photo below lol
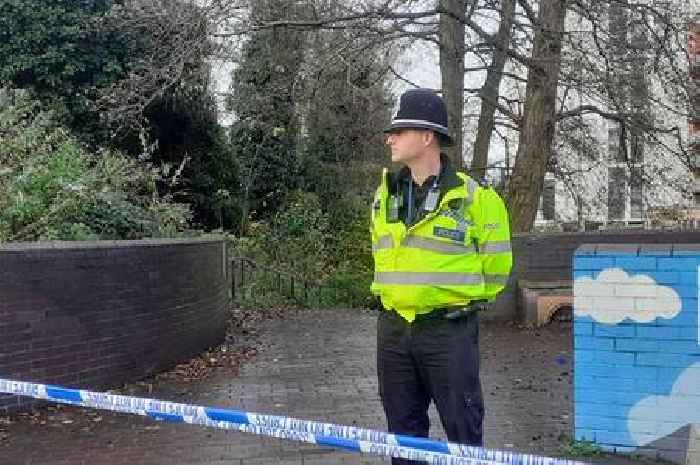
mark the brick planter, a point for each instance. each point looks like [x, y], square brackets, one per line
[98, 314]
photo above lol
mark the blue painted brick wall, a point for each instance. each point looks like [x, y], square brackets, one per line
[637, 378]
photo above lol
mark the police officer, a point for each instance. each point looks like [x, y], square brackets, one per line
[441, 247]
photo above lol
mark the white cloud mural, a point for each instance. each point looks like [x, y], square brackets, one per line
[615, 295]
[668, 413]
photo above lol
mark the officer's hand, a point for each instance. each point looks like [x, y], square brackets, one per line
[374, 303]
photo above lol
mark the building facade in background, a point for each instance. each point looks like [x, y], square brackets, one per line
[627, 201]
[694, 120]
[626, 145]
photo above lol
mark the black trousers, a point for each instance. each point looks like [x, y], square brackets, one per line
[430, 359]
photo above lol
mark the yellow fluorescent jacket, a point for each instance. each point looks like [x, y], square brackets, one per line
[450, 257]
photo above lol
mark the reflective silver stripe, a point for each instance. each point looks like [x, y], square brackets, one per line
[437, 246]
[471, 189]
[384, 242]
[447, 279]
[419, 121]
[495, 247]
[496, 279]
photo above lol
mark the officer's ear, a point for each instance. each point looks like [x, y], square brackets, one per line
[430, 138]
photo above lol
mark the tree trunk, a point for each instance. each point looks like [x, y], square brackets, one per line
[490, 91]
[452, 70]
[539, 117]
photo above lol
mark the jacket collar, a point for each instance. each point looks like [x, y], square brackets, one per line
[448, 176]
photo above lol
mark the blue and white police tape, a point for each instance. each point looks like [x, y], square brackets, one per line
[327, 434]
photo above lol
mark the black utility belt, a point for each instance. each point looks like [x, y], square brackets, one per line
[453, 313]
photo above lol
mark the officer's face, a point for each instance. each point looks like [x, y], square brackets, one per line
[406, 144]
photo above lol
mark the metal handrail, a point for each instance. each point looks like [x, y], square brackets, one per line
[289, 285]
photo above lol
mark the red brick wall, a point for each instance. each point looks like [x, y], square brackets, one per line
[98, 314]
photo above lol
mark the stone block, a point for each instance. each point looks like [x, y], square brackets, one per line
[539, 301]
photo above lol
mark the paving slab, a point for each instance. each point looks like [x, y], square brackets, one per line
[317, 365]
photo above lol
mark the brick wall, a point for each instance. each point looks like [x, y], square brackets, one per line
[637, 349]
[540, 257]
[98, 314]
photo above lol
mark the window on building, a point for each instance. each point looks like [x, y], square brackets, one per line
[614, 151]
[636, 193]
[617, 189]
[637, 149]
[548, 204]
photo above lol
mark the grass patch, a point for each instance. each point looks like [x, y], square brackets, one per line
[581, 448]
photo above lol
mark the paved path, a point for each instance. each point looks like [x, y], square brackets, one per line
[313, 365]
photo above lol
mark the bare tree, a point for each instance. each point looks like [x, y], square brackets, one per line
[582, 51]
[539, 117]
[175, 37]
[452, 70]
[490, 91]
[531, 66]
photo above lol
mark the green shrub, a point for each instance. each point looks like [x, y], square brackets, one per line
[52, 188]
[581, 448]
[306, 242]
[294, 240]
[352, 257]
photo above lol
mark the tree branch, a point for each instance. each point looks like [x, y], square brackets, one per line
[529, 12]
[504, 73]
[401, 78]
[332, 23]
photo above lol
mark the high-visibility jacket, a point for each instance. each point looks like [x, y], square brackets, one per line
[457, 253]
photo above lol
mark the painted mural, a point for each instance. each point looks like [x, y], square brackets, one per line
[637, 352]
